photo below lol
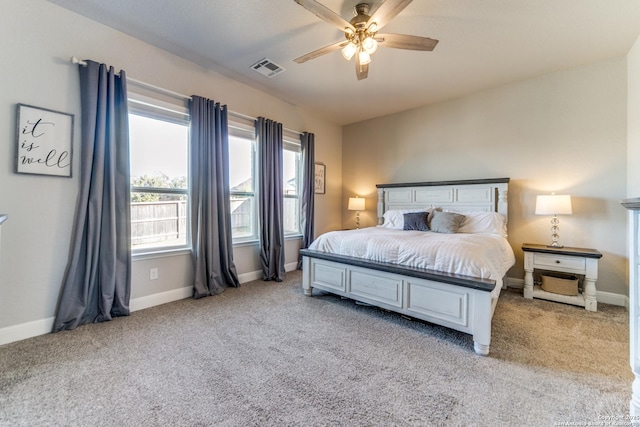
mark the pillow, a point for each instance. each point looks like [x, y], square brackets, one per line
[430, 211]
[446, 222]
[394, 218]
[416, 221]
[483, 223]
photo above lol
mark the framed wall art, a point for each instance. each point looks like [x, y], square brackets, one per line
[44, 141]
[319, 184]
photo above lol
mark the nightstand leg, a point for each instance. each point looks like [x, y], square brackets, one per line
[528, 284]
[590, 302]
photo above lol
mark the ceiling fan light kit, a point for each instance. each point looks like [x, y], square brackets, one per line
[364, 57]
[361, 33]
[370, 45]
[349, 50]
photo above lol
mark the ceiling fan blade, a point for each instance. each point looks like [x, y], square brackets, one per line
[325, 14]
[404, 41]
[386, 12]
[322, 51]
[362, 70]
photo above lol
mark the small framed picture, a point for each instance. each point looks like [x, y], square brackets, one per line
[44, 141]
[319, 184]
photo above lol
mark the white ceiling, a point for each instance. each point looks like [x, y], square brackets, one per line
[483, 43]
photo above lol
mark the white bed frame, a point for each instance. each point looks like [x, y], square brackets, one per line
[462, 303]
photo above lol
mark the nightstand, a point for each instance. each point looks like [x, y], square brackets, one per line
[581, 261]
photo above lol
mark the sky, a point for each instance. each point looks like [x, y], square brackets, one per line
[159, 146]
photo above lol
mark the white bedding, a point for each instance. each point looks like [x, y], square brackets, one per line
[486, 256]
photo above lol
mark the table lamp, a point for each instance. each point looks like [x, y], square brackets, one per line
[554, 204]
[356, 204]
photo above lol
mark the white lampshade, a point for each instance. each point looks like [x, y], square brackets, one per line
[349, 50]
[553, 204]
[364, 57]
[356, 204]
[370, 45]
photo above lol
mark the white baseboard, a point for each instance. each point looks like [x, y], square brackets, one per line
[613, 299]
[512, 282]
[291, 266]
[250, 276]
[257, 275]
[603, 297]
[44, 326]
[26, 330]
[141, 303]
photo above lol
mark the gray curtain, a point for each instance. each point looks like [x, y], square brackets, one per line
[97, 282]
[210, 205]
[270, 192]
[307, 145]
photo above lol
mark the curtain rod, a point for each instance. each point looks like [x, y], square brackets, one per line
[75, 60]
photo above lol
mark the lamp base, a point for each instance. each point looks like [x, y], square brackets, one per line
[554, 233]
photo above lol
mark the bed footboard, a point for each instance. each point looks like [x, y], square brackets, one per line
[459, 302]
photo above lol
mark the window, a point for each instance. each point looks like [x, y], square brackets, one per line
[159, 153]
[242, 182]
[292, 186]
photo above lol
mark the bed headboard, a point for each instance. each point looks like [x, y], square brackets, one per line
[488, 195]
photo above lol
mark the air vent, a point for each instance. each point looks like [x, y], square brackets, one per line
[267, 68]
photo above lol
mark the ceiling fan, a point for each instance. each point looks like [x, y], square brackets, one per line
[361, 33]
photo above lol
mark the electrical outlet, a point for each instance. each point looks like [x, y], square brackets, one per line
[153, 274]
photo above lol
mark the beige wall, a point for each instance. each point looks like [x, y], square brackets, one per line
[37, 40]
[563, 132]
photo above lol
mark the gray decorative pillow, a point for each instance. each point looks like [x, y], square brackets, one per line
[446, 222]
[430, 212]
[416, 221]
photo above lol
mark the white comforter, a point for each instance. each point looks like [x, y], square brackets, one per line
[478, 255]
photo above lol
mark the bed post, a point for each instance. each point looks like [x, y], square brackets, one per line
[306, 276]
[380, 206]
[482, 314]
[502, 204]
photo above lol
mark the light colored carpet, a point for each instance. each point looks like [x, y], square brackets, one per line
[266, 355]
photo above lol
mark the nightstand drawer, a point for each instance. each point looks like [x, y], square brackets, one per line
[576, 263]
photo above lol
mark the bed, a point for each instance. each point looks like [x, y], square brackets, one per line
[452, 277]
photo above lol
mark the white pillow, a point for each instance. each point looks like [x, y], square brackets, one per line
[483, 223]
[394, 218]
